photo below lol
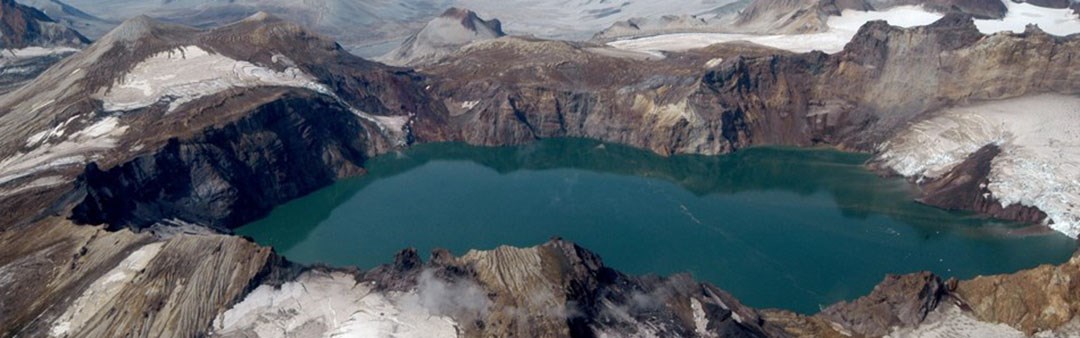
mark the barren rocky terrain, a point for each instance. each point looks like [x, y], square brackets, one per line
[124, 166]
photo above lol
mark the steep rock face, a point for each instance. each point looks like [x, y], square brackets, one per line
[741, 95]
[1040, 299]
[240, 97]
[443, 35]
[60, 279]
[555, 89]
[567, 291]
[898, 301]
[231, 174]
[965, 188]
[552, 290]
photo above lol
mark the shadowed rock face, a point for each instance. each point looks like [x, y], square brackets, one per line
[898, 301]
[223, 158]
[223, 176]
[964, 188]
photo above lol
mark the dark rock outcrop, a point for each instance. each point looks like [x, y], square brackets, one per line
[964, 188]
[233, 174]
[898, 301]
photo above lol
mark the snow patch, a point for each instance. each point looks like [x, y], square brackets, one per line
[469, 104]
[331, 305]
[33, 51]
[713, 63]
[1039, 164]
[1051, 20]
[701, 323]
[190, 72]
[75, 149]
[953, 322]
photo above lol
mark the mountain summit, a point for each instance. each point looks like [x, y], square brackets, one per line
[443, 35]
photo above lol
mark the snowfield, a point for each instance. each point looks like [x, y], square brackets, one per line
[1039, 164]
[842, 28]
[190, 72]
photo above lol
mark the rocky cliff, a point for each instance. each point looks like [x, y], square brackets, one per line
[732, 96]
[158, 138]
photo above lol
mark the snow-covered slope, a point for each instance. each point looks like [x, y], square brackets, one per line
[843, 27]
[190, 72]
[1039, 165]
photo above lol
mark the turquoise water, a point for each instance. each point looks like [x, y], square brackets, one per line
[783, 228]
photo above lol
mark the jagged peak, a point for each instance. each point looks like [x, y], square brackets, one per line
[470, 20]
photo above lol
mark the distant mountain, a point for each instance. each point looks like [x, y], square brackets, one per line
[374, 27]
[370, 27]
[445, 34]
[31, 42]
[90, 26]
[24, 26]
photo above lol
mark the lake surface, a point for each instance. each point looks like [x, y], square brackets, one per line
[777, 227]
